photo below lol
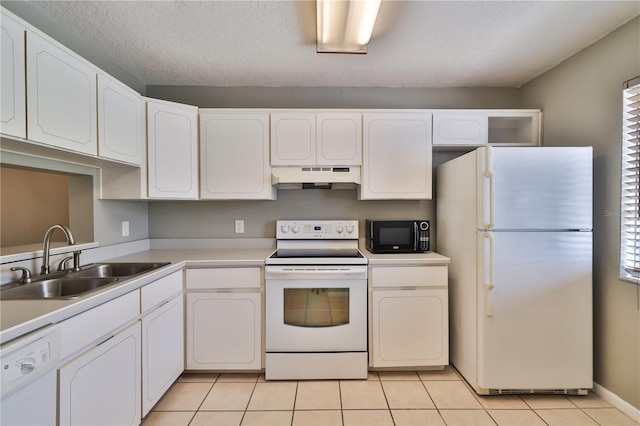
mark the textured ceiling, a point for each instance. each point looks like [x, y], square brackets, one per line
[272, 43]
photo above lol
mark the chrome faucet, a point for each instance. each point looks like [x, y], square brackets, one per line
[47, 245]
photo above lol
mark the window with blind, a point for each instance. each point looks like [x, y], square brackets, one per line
[630, 199]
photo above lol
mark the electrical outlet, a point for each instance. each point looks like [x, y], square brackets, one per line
[125, 228]
[239, 226]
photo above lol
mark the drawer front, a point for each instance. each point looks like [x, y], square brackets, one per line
[157, 292]
[90, 326]
[409, 276]
[223, 278]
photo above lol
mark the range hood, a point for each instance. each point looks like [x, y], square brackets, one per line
[323, 177]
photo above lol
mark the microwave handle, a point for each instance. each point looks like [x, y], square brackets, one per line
[415, 236]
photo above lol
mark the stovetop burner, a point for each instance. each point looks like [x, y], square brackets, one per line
[325, 242]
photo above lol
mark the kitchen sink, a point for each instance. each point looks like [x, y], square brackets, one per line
[57, 288]
[100, 270]
[73, 284]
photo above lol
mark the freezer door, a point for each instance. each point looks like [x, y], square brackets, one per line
[537, 188]
[535, 310]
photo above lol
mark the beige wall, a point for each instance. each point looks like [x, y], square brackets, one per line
[582, 103]
[31, 202]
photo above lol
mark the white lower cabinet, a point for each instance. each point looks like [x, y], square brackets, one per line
[102, 386]
[224, 324]
[409, 317]
[162, 350]
[223, 331]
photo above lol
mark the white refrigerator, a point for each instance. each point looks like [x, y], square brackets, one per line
[517, 225]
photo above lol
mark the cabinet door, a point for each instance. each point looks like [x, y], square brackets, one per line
[162, 351]
[234, 156]
[339, 139]
[173, 150]
[121, 122]
[102, 386]
[13, 110]
[224, 331]
[410, 328]
[293, 139]
[396, 161]
[460, 129]
[61, 98]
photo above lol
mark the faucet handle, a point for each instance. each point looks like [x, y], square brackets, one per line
[26, 274]
[62, 265]
[76, 260]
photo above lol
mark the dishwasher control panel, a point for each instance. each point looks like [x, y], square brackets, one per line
[28, 358]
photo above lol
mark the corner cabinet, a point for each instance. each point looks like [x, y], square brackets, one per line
[61, 98]
[121, 122]
[13, 110]
[172, 138]
[234, 156]
[409, 316]
[397, 154]
[224, 319]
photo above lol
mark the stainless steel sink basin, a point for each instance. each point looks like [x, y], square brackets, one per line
[57, 288]
[73, 284]
[116, 269]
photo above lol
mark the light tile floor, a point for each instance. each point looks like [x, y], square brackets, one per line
[386, 398]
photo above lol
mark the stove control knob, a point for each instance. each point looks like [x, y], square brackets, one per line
[339, 229]
[295, 229]
[284, 228]
[350, 228]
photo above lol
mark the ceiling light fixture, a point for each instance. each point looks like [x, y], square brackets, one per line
[345, 26]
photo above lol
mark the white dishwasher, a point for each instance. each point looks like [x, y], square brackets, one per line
[29, 378]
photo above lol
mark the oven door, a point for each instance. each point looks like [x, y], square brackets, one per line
[316, 308]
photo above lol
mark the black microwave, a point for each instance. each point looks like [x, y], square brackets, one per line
[397, 236]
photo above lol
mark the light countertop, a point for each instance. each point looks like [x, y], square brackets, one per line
[18, 317]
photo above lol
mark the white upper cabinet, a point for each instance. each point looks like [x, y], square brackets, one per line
[13, 109]
[316, 138]
[339, 139]
[61, 98]
[459, 129]
[293, 139]
[121, 122]
[455, 129]
[396, 161]
[234, 155]
[172, 138]
[514, 127]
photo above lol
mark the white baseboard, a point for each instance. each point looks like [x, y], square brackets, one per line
[617, 402]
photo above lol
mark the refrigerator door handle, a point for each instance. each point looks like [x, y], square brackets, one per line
[489, 284]
[488, 173]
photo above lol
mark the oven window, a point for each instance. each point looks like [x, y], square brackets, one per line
[316, 307]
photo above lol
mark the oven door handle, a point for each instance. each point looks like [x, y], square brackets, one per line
[313, 272]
